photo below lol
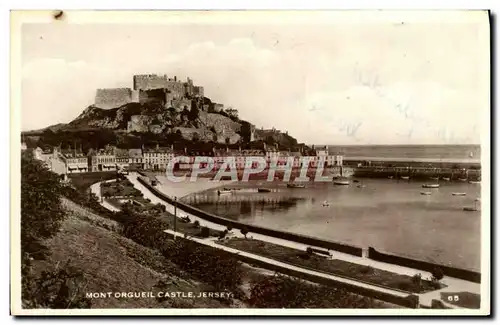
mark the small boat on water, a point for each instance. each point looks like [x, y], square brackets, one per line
[223, 191]
[390, 177]
[446, 179]
[361, 186]
[340, 182]
[405, 177]
[474, 182]
[474, 208]
[434, 178]
[458, 194]
[463, 179]
[295, 185]
[326, 204]
[425, 193]
[263, 190]
[430, 185]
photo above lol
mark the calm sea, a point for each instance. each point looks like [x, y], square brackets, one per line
[389, 215]
[410, 151]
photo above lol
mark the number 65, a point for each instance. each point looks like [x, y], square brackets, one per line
[453, 298]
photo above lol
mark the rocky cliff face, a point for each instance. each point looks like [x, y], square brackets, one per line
[155, 118]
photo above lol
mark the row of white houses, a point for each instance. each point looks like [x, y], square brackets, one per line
[112, 158]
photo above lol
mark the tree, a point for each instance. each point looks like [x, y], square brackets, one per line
[246, 131]
[194, 113]
[41, 210]
[41, 218]
[244, 231]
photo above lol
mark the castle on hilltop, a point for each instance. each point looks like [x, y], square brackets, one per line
[171, 92]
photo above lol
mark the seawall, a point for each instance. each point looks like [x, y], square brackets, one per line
[424, 266]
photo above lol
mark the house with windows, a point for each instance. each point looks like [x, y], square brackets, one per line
[135, 159]
[122, 158]
[75, 161]
[157, 158]
[103, 160]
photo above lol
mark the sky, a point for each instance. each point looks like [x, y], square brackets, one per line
[345, 81]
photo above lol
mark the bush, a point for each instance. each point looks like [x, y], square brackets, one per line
[437, 273]
[205, 232]
[207, 264]
[196, 223]
[244, 232]
[309, 250]
[413, 301]
[229, 228]
[417, 281]
[286, 292]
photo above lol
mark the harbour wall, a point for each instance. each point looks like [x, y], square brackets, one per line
[424, 266]
[417, 172]
[307, 240]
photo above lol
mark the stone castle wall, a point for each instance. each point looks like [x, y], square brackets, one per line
[112, 97]
[170, 91]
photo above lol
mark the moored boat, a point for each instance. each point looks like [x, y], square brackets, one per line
[474, 208]
[474, 182]
[463, 179]
[458, 194]
[390, 177]
[430, 185]
[445, 178]
[223, 191]
[434, 178]
[295, 185]
[341, 182]
[405, 177]
[425, 193]
[263, 190]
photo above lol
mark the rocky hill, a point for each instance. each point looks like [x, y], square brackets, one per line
[137, 121]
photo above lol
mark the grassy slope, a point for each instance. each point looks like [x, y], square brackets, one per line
[114, 263]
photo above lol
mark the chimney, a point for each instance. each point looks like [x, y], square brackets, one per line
[175, 78]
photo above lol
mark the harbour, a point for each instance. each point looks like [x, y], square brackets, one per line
[390, 214]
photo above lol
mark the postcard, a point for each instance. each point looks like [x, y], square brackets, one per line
[250, 163]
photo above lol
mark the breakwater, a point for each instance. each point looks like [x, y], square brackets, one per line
[418, 173]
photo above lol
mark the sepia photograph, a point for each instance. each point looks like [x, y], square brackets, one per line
[250, 162]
